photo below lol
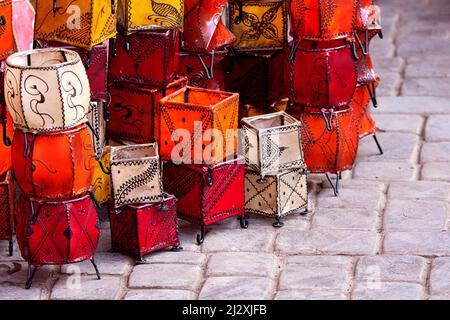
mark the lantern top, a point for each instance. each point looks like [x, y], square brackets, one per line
[48, 58]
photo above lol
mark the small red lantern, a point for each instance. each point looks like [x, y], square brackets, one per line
[6, 209]
[56, 232]
[142, 229]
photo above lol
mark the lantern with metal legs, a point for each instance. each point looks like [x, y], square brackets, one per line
[56, 233]
[6, 209]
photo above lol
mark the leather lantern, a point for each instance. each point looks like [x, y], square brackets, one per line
[323, 19]
[207, 194]
[23, 24]
[97, 127]
[6, 209]
[204, 30]
[330, 140]
[6, 29]
[46, 90]
[149, 57]
[6, 126]
[101, 178]
[276, 195]
[96, 64]
[53, 164]
[138, 15]
[258, 77]
[273, 143]
[81, 23]
[133, 110]
[203, 70]
[363, 118]
[136, 174]
[142, 229]
[321, 77]
[259, 25]
[58, 233]
[198, 126]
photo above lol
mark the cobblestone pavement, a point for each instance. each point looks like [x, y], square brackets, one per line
[386, 236]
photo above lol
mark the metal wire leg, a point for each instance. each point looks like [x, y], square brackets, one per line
[243, 221]
[177, 248]
[30, 276]
[10, 248]
[96, 269]
[378, 144]
[278, 223]
[201, 236]
[335, 186]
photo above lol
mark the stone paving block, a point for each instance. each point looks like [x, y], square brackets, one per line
[346, 218]
[85, 288]
[159, 294]
[413, 105]
[437, 87]
[407, 36]
[432, 69]
[108, 263]
[320, 261]
[367, 198]
[169, 276]
[182, 256]
[435, 152]
[16, 273]
[415, 215]
[238, 240]
[294, 220]
[437, 128]
[389, 65]
[391, 268]
[420, 190]
[386, 50]
[236, 288]
[313, 278]
[388, 291]
[417, 243]
[242, 263]
[389, 84]
[399, 123]
[188, 235]
[309, 295]
[439, 297]
[423, 48]
[436, 171]
[439, 277]
[326, 242]
[17, 292]
[396, 147]
[385, 170]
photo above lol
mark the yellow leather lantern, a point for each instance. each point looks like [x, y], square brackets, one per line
[81, 23]
[101, 180]
[259, 24]
[136, 15]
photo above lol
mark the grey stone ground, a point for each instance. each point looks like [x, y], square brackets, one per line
[386, 237]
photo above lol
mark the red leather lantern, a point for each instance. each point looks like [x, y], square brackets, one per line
[329, 138]
[207, 194]
[204, 30]
[6, 29]
[56, 232]
[203, 70]
[149, 57]
[321, 77]
[6, 209]
[53, 164]
[142, 229]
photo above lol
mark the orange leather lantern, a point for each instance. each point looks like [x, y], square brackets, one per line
[322, 77]
[6, 29]
[81, 23]
[53, 164]
[204, 30]
[323, 19]
[329, 146]
[198, 125]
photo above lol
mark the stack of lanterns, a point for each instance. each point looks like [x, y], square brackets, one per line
[198, 125]
[6, 182]
[331, 80]
[113, 70]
